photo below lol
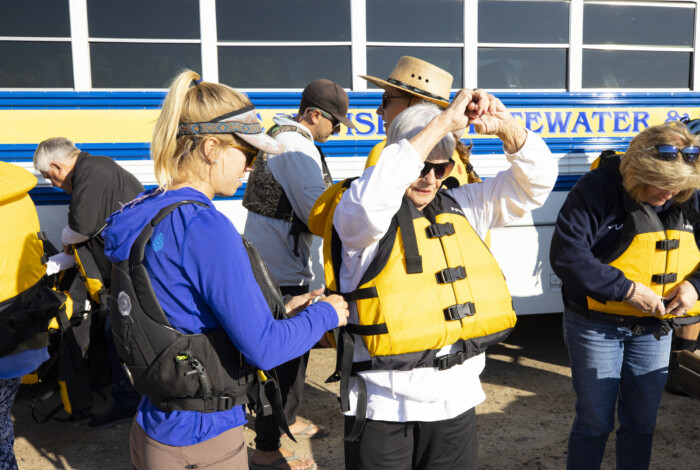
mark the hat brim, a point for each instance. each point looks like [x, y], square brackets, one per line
[344, 119]
[263, 142]
[384, 85]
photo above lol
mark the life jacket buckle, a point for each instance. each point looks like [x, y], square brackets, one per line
[246, 376]
[224, 403]
[666, 278]
[451, 360]
[459, 311]
[439, 230]
[449, 275]
[667, 245]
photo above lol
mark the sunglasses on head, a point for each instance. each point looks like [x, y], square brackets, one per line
[250, 153]
[669, 153]
[441, 169]
[329, 116]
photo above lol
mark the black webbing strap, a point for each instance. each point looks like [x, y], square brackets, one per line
[439, 230]
[459, 311]
[449, 275]
[348, 348]
[203, 405]
[360, 412]
[670, 324]
[667, 245]
[451, 360]
[367, 330]
[272, 398]
[357, 294]
[666, 278]
[414, 262]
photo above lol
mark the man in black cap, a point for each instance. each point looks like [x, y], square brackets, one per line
[279, 196]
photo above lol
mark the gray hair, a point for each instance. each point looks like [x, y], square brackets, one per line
[413, 120]
[55, 149]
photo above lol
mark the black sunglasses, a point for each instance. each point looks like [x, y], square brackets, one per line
[334, 122]
[386, 98]
[441, 169]
[669, 153]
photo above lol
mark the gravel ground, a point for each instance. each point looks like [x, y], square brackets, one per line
[523, 424]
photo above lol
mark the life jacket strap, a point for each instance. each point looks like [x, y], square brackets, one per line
[670, 324]
[367, 330]
[203, 405]
[360, 412]
[357, 294]
[451, 360]
[666, 278]
[449, 275]
[414, 261]
[667, 245]
[459, 311]
[439, 230]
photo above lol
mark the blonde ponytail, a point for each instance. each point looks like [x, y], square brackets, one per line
[189, 100]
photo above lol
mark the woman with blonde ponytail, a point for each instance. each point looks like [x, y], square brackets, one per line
[201, 280]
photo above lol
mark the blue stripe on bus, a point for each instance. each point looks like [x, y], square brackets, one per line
[333, 149]
[153, 99]
[48, 196]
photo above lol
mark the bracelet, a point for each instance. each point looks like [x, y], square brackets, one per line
[631, 293]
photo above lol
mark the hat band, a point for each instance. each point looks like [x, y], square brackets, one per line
[218, 128]
[408, 87]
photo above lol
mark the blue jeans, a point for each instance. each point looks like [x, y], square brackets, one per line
[8, 391]
[611, 365]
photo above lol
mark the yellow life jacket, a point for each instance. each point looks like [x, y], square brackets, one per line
[397, 289]
[26, 304]
[22, 262]
[432, 283]
[657, 252]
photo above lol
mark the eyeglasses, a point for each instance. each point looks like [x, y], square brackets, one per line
[669, 153]
[329, 116]
[250, 154]
[386, 98]
[441, 169]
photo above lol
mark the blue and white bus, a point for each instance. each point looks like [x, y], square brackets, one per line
[586, 75]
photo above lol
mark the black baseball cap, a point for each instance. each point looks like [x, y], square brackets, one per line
[330, 97]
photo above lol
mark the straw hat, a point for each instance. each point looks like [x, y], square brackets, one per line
[419, 78]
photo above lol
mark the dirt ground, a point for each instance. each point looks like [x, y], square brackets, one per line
[523, 424]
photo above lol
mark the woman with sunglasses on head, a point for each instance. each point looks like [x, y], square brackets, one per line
[425, 306]
[200, 279]
[625, 248]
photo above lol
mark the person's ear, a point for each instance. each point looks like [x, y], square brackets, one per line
[314, 116]
[56, 166]
[209, 148]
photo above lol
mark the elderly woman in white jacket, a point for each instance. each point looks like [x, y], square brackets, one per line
[420, 415]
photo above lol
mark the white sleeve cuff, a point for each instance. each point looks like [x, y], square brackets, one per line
[71, 237]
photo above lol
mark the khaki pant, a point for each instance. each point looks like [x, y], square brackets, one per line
[225, 451]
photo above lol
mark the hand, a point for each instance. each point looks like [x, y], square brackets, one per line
[647, 300]
[299, 302]
[681, 299]
[496, 120]
[466, 105]
[340, 306]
